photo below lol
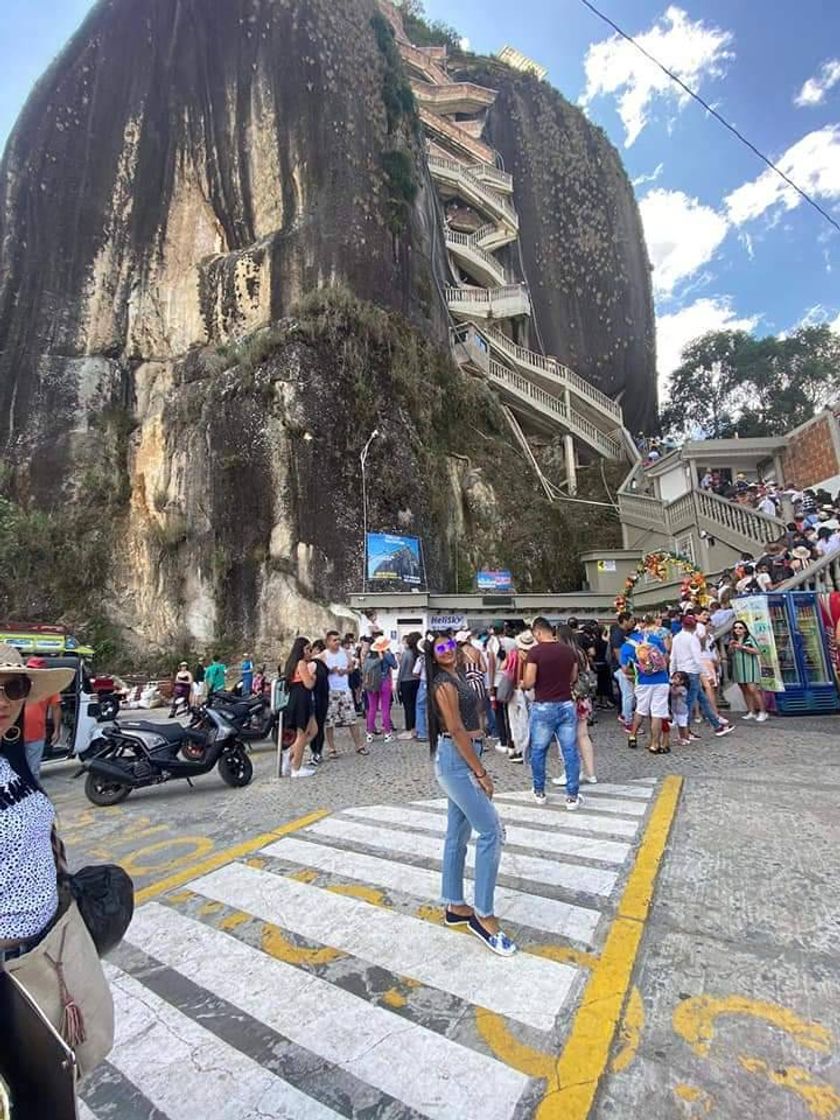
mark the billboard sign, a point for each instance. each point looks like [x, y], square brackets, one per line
[494, 580]
[394, 563]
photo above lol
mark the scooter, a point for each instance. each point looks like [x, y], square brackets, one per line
[140, 753]
[252, 716]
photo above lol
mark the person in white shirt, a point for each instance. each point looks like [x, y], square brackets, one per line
[767, 505]
[687, 657]
[342, 710]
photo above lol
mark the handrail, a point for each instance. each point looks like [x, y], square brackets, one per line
[453, 91]
[464, 171]
[821, 575]
[423, 62]
[470, 294]
[552, 368]
[750, 523]
[644, 508]
[457, 136]
[469, 242]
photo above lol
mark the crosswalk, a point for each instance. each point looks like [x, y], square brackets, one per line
[315, 979]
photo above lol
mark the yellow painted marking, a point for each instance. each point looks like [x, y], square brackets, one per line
[573, 1083]
[694, 1020]
[257, 862]
[136, 862]
[208, 908]
[232, 921]
[504, 1044]
[565, 954]
[305, 875]
[276, 944]
[630, 1032]
[820, 1099]
[180, 896]
[691, 1095]
[431, 914]
[394, 998]
[218, 859]
[357, 890]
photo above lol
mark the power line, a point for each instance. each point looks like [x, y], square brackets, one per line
[714, 113]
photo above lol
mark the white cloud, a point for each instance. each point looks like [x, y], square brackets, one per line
[813, 163]
[465, 44]
[835, 323]
[681, 234]
[676, 330]
[691, 49]
[654, 175]
[814, 90]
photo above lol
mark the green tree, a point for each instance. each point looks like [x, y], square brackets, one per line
[729, 382]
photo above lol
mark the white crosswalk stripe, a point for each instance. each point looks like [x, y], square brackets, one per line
[549, 872]
[438, 1077]
[328, 1014]
[577, 923]
[185, 1071]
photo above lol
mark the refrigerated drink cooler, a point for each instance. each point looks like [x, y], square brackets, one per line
[802, 648]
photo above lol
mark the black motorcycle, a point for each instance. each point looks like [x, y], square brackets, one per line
[251, 715]
[140, 753]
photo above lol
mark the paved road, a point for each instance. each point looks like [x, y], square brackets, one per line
[288, 958]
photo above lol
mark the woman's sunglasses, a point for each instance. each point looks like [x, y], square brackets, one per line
[15, 688]
[446, 646]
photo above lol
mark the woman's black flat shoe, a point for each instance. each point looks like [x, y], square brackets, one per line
[450, 919]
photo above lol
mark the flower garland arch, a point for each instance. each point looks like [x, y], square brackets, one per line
[655, 565]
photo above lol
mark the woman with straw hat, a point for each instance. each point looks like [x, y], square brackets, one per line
[28, 885]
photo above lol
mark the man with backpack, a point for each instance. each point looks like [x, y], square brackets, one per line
[644, 656]
[687, 657]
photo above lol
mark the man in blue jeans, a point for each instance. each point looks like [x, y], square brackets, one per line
[551, 670]
[687, 657]
[624, 624]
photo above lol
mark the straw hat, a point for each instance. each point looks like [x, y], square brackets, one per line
[45, 682]
[526, 640]
[381, 644]
[801, 553]
[463, 636]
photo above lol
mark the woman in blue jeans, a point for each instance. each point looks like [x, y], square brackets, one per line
[455, 735]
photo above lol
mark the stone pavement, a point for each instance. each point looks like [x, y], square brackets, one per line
[306, 973]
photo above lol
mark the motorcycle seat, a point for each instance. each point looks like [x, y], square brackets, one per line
[172, 732]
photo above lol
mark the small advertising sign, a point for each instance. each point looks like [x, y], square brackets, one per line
[493, 580]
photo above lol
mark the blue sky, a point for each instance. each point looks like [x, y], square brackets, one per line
[729, 247]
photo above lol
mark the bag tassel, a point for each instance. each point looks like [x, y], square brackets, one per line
[72, 1027]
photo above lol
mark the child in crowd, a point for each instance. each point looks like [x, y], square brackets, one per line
[679, 706]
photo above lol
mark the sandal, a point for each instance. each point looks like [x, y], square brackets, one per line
[659, 750]
[332, 754]
[362, 750]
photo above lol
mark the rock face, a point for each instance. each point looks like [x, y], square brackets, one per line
[181, 181]
[583, 248]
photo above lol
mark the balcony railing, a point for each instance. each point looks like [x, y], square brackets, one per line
[467, 243]
[749, 523]
[502, 303]
[441, 126]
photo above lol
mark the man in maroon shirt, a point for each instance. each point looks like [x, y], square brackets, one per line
[551, 670]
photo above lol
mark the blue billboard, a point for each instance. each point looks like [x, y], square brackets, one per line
[494, 580]
[394, 563]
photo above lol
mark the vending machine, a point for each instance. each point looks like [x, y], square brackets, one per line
[802, 652]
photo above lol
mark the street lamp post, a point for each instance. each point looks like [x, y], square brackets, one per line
[363, 459]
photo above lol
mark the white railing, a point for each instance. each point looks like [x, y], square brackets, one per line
[443, 127]
[468, 242]
[821, 575]
[528, 389]
[486, 173]
[457, 92]
[605, 443]
[423, 62]
[554, 369]
[749, 523]
[639, 507]
[459, 174]
[503, 302]
[682, 513]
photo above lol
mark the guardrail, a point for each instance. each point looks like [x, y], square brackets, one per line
[465, 176]
[749, 523]
[503, 302]
[468, 242]
[821, 575]
[454, 91]
[455, 135]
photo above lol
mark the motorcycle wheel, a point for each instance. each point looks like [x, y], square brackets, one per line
[103, 792]
[236, 769]
[109, 707]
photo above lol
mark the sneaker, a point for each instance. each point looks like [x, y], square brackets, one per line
[539, 797]
[761, 717]
[561, 781]
[694, 737]
[724, 729]
[502, 748]
[303, 772]
[749, 715]
[517, 758]
[369, 738]
[632, 742]
[387, 737]
[404, 735]
[698, 719]
[573, 803]
[315, 760]
[450, 919]
[593, 781]
[498, 943]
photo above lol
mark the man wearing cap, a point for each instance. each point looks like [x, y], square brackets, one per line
[687, 657]
[35, 723]
[551, 670]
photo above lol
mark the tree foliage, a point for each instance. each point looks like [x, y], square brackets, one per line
[729, 383]
[425, 33]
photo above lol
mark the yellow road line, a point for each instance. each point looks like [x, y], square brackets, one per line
[218, 859]
[579, 1069]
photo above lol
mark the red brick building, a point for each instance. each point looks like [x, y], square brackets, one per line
[812, 455]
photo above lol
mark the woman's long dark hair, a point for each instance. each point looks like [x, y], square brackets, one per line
[293, 658]
[432, 716]
[412, 639]
[740, 622]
